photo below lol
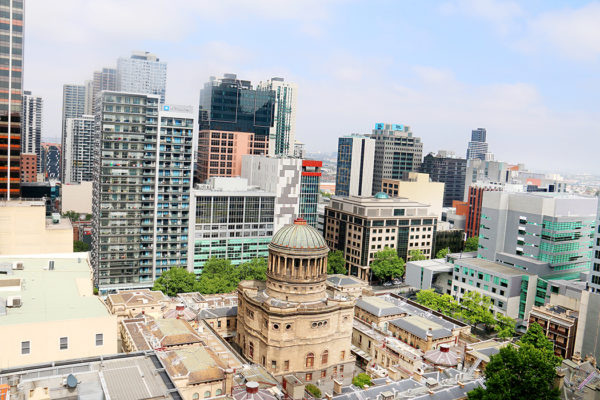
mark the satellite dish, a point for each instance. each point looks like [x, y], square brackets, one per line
[71, 381]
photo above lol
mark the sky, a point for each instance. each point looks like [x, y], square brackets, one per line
[526, 71]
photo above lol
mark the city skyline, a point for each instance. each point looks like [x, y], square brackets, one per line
[504, 66]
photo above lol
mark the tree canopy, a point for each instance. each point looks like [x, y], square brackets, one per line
[387, 265]
[473, 308]
[78, 246]
[443, 253]
[416, 255]
[471, 244]
[361, 380]
[524, 372]
[312, 389]
[176, 280]
[218, 276]
[336, 263]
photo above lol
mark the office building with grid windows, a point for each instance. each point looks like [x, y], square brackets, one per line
[142, 189]
[553, 228]
[362, 226]
[397, 151]
[282, 137]
[78, 150]
[354, 175]
[32, 126]
[233, 221]
[142, 72]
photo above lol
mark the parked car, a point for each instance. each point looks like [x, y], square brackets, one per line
[397, 281]
[387, 283]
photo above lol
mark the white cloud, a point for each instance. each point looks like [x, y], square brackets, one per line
[500, 14]
[573, 32]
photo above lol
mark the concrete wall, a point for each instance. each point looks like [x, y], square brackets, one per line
[77, 197]
[44, 338]
[23, 230]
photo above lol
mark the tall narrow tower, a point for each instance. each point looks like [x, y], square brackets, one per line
[11, 57]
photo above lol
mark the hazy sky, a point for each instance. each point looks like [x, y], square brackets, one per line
[528, 71]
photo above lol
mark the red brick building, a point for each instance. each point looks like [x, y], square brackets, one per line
[220, 153]
[28, 167]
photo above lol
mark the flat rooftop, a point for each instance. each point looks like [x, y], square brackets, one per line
[435, 264]
[133, 376]
[491, 266]
[419, 326]
[51, 295]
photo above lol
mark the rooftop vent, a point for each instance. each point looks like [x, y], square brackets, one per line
[18, 265]
[51, 265]
[13, 301]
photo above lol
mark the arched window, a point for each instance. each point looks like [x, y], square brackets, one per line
[324, 357]
[310, 360]
[218, 392]
[207, 394]
[196, 396]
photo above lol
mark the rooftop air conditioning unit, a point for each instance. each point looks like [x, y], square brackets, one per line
[18, 265]
[13, 301]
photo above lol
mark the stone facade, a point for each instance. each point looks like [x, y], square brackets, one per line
[289, 325]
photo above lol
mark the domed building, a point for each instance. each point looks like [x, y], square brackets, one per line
[289, 324]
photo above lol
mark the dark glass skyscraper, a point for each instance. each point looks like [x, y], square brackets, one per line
[232, 105]
[11, 80]
[235, 119]
[451, 171]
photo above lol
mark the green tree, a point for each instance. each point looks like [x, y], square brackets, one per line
[218, 276]
[312, 389]
[428, 298]
[416, 255]
[387, 265]
[535, 337]
[336, 263]
[471, 244]
[519, 373]
[476, 309]
[72, 215]
[88, 217]
[443, 253]
[255, 269]
[361, 380]
[505, 326]
[78, 246]
[176, 280]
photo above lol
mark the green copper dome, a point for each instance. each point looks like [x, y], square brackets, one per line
[382, 195]
[299, 235]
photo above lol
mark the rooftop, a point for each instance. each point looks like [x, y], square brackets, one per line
[133, 376]
[299, 235]
[378, 306]
[344, 280]
[51, 295]
[420, 327]
[491, 266]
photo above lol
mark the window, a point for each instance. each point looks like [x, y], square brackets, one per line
[341, 369]
[342, 355]
[251, 350]
[99, 339]
[274, 364]
[286, 365]
[310, 360]
[196, 396]
[25, 347]
[324, 357]
[207, 394]
[308, 377]
[64, 343]
[218, 392]
[218, 323]
[323, 374]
